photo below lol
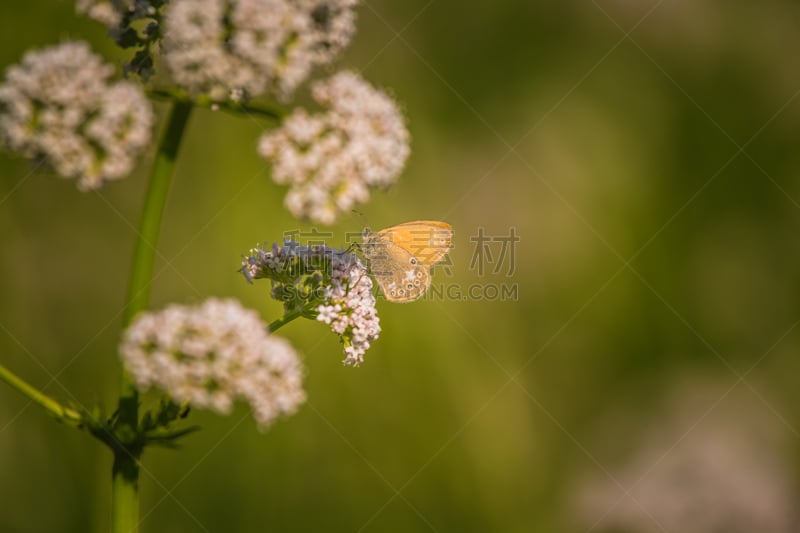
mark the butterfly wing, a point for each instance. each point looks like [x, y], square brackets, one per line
[401, 276]
[427, 240]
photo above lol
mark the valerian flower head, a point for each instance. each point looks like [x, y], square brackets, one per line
[213, 354]
[330, 285]
[332, 159]
[59, 105]
[235, 49]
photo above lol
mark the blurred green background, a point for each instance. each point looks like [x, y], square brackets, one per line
[646, 153]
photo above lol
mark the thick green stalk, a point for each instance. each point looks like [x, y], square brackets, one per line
[125, 483]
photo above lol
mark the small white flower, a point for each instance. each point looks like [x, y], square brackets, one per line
[59, 105]
[331, 160]
[234, 49]
[349, 307]
[212, 355]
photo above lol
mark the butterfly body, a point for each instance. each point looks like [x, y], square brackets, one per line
[400, 257]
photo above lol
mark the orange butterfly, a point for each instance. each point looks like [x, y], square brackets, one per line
[400, 257]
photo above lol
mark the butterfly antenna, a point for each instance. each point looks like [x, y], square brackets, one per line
[363, 217]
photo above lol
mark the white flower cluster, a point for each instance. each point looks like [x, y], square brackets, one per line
[349, 307]
[213, 354]
[331, 159]
[332, 284]
[241, 48]
[59, 105]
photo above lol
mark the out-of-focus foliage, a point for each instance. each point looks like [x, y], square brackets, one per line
[646, 155]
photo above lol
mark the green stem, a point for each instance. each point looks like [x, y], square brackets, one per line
[306, 311]
[275, 325]
[125, 482]
[65, 414]
[179, 95]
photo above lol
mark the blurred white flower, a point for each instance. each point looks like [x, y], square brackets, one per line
[58, 105]
[235, 49]
[332, 159]
[112, 12]
[104, 11]
[331, 285]
[212, 355]
[118, 129]
[709, 462]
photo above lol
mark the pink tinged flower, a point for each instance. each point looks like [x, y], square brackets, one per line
[340, 294]
[350, 308]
